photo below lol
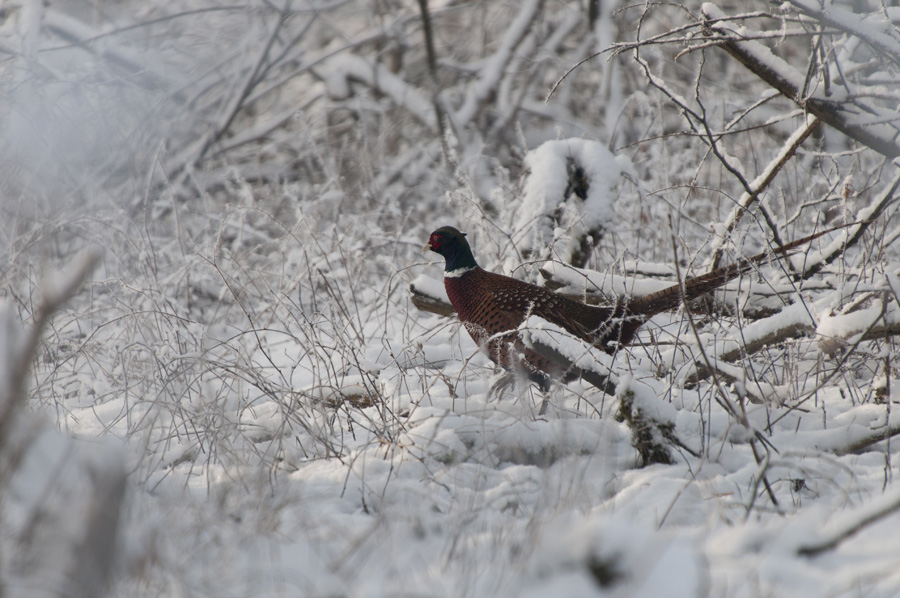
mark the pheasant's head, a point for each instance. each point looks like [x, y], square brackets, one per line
[452, 244]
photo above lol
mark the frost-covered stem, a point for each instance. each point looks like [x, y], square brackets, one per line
[429, 39]
[760, 477]
[692, 117]
[235, 293]
[512, 107]
[672, 35]
[712, 138]
[102, 518]
[13, 396]
[888, 470]
[758, 185]
[253, 78]
[660, 84]
[431, 53]
[721, 397]
[726, 162]
[838, 368]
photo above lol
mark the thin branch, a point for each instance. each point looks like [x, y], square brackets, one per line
[13, 396]
[761, 183]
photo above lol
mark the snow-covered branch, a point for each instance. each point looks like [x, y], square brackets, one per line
[875, 29]
[840, 108]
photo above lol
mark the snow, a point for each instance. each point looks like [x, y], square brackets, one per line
[242, 401]
[846, 327]
[546, 186]
[339, 70]
[431, 287]
[578, 281]
[443, 484]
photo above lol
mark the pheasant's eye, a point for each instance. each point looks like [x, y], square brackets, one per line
[435, 241]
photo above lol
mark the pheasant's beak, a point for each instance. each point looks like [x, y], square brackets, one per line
[427, 247]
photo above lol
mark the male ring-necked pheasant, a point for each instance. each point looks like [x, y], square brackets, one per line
[493, 306]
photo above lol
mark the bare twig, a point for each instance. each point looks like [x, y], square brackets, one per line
[55, 294]
[760, 184]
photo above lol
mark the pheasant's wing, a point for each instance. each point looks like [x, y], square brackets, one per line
[604, 326]
[592, 324]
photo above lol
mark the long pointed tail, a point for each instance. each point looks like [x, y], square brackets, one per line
[671, 297]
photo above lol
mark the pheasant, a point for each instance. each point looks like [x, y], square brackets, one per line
[493, 306]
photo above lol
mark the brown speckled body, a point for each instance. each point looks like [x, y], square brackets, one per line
[493, 306]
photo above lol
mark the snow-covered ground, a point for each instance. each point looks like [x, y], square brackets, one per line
[242, 399]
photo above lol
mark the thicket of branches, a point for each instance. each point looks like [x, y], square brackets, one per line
[260, 178]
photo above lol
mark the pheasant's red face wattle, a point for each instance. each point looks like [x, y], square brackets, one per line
[452, 245]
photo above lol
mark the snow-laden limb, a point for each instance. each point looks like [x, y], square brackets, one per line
[493, 70]
[429, 295]
[839, 331]
[875, 30]
[340, 70]
[791, 322]
[572, 281]
[746, 384]
[838, 109]
[575, 357]
[852, 431]
[568, 195]
[841, 526]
